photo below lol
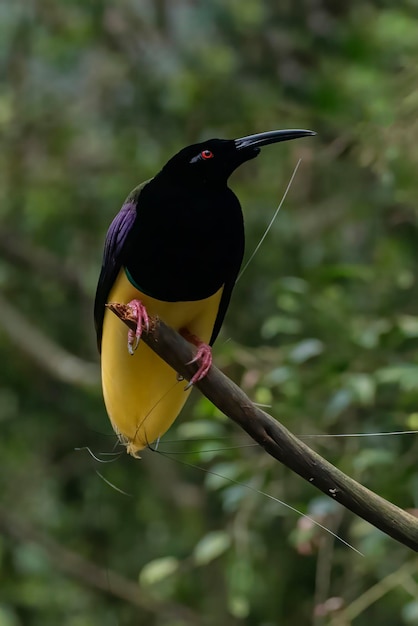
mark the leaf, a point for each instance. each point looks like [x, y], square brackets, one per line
[368, 334]
[280, 324]
[239, 606]
[199, 429]
[241, 582]
[221, 474]
[412, 421]
[211, 546]
[8, 617]
[372, 457]
[338, 402]
[279, 375]
[157, 570]
[263, 396]
[305, 350]
[410, 612]
[363, 387]
[408, 324]
[294, 283]
[405, 375]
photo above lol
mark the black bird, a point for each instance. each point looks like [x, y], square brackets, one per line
[174, 250]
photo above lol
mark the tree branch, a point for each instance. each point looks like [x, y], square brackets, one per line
[51, 357]
[275, 438]
[90, 574]
[22, 251]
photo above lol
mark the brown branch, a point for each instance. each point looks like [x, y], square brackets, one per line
[92, 575]
[381, 588]
[23, 252]
[50, 356]
[275, 438]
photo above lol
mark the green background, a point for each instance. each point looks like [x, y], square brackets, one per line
[323, 325]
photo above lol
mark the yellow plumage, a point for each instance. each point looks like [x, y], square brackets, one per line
[142, 394]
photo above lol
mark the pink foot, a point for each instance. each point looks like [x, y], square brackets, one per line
[142, 320]
[203, 357]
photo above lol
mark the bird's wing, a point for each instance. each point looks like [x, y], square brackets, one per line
[113, 256]
[223, 307]
[237, 254]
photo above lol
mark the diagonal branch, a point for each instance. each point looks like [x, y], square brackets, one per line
[88, 573]
[23, 252]
[275, 438]
[50, 356]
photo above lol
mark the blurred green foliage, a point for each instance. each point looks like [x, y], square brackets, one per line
[323, 323]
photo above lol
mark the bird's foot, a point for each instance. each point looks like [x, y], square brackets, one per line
[139, 312]
[203, 357]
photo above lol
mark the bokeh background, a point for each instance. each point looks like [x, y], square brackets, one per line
[323, 326]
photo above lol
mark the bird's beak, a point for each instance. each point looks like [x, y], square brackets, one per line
[272, 136]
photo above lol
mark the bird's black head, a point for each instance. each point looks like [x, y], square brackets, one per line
[214, 160]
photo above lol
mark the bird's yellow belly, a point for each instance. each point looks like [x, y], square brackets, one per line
[142, 394]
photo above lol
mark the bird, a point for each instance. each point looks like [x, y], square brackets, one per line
[174, 251]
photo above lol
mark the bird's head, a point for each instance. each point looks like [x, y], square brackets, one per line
[214, 160]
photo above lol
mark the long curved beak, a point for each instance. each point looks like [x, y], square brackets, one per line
[272, 136]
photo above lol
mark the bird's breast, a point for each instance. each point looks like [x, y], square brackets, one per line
[141, 392]
[183, 246]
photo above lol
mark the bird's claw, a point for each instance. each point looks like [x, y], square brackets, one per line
[133, 342]
[203, 357]
[142, 321]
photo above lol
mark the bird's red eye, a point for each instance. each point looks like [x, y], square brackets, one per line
[206, 154]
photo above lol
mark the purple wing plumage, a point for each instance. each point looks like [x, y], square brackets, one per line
[113, 259]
